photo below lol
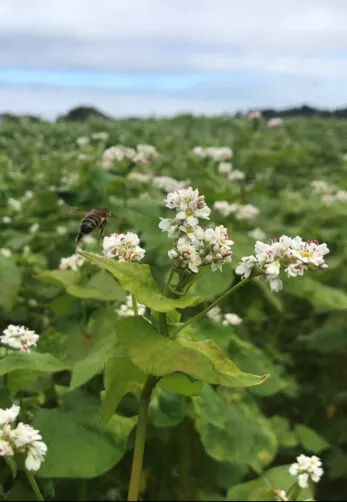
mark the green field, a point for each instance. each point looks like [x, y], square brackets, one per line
[208, 437]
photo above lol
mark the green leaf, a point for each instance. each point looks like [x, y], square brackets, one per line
[137, 279]
[324, 298]
[310, 440]
[77, 446]
[285, 436]
[233, 430]
[159, 356]
[44, 363]
[180, 383]
[166, 409]
[277, 478]
[93, 363]
[210, 284]
[120, 378]
[10, 279]
[59, 278]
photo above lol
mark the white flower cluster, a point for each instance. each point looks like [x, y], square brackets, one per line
[254, 115]
[240, 211]
[293, 255]
[168, 184]
[140, 177]
[275, 122]
[17, 204]
[6, 252]
[281, 495]
[19, 338]
[73, 262]
[142, 155]
[164, 183]
[22, 438]
[228, 319]
[69, 180]
[219, 154]
[232, 174]
[125, 247]
[329, 194]
[194, 246]
[257, 234]
[82, 141]
[102, 136]
[127, 310]
[306, 468]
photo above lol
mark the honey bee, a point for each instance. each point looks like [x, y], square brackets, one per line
[92, 220]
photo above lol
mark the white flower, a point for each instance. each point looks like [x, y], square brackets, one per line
[168, 184]
[6, 449]
[7, 220]
[254, 115]
[246, 212]
[6, 252]
[9, 415]
[341, 196]
[73, 262]
[303, 480]
[215, 314]
[222, 207]
[14, 204]
[34, 228]
[82, 141]
[185, 255]
[24, 434]
[306, 468]
[19, 338]
[218, 154]
[21, 438]
[232, 320]
[236, 175]
[275, 122]
[257, 234]
[127, 310]
[28, 195]
[125, 247]
[225, 167]
[321, 187]
[102, 135]
[140, 177]
[35, 455]
[281, 495]
[245, 268]
[61, 230]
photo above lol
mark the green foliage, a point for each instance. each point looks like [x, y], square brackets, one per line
[157, 355]
[137, 279]
[73, 427]
[212, 431]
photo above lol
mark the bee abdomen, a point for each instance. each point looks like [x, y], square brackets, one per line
[90, 223]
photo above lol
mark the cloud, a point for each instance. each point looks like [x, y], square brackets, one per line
[274, 35]
[170, 56]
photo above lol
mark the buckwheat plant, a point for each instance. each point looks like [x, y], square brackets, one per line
[18, 439]
[163, 346]
[307, 471]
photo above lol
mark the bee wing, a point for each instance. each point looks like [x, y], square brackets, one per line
[78, 212]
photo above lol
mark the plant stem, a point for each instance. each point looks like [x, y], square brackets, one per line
[34, 485]
[167, 287]
[213, 304]
[136, 470]
[136, 312]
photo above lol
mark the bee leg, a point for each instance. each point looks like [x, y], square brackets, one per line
[102, 229]
[79, 237]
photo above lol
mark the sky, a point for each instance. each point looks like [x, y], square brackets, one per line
[164, 57]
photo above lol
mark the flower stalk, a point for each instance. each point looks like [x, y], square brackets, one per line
[140, 439]
[34, 486]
